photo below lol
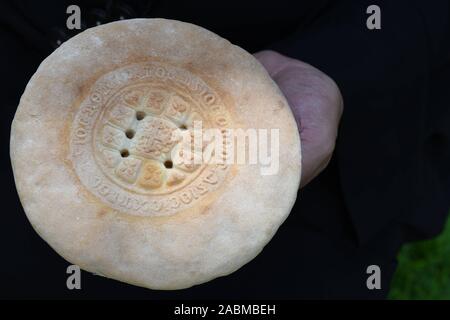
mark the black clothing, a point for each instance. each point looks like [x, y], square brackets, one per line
[388, 181]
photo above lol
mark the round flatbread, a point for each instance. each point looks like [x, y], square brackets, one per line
[93, 147]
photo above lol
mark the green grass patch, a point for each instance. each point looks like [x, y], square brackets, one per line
[424, 269]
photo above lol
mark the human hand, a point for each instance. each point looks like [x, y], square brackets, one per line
[316, 103]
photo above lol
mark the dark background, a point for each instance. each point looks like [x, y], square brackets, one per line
[388, 182]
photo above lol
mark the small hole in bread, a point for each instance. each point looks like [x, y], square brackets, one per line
[124, 153]
[168, 164]
[129, 133]
[140, 115]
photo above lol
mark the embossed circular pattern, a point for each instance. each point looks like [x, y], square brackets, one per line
[122, 138]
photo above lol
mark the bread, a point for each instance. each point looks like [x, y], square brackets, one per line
[91, 154]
